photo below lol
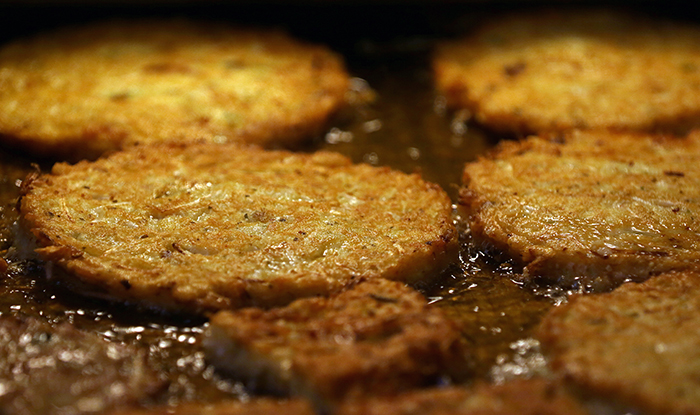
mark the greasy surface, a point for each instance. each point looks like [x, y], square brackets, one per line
[551, 71]
[524, 397]
[95, 375]
[12, 170]
[589, 209]
[79, 92]
[496, 316]
[639, 344]
[212, 226]
[379, 337]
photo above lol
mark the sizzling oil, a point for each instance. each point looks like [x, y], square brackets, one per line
[407, 128]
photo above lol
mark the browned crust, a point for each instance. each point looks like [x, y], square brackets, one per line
[557, 70]
[377, 338]
[523, 396]
[211, 226]
[638, 345]
[254, 406]
[588, 208]
[79, 92]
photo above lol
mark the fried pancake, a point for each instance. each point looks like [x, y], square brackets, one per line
[589, 209]
[256, 406]
[523, 396]
[554, 71]
[209, 226]
[379, 337]
[79, 92]
[639, 344]
[58, 369]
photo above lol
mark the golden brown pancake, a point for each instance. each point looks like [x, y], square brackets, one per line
[211, 226]
[638, 345]
[554, 71]
[79, 92]
[588, 209]
[377, 338]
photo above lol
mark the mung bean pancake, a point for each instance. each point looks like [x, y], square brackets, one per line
[588, 209]
[210, 226]
[378, 338]
[81, 91]
[554, 71]
[638, 345]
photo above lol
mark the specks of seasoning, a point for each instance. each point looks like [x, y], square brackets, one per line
[514, 69]
[674, 173]
[178, 248]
